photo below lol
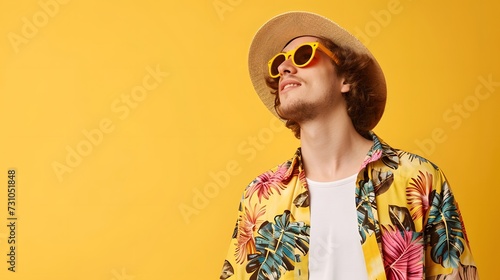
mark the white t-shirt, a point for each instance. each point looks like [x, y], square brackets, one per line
[335, 246]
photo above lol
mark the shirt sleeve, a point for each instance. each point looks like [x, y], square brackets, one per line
[233, 268]
[447, 246]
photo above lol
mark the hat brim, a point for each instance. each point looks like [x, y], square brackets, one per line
[272, 37]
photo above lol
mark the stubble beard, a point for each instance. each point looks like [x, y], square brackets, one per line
[302, 110]
[299, 111]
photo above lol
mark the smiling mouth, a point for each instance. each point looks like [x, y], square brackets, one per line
[290, 86]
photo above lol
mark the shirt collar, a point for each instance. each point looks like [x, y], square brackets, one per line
[381, 151]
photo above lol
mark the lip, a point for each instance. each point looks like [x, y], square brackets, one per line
[286, 82]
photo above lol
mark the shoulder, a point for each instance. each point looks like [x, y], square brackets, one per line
[409, 160]
[405, 165]
[276, 179]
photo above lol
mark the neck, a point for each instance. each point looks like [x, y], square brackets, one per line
[332, 151]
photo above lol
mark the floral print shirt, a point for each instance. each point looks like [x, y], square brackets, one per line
[409, 223]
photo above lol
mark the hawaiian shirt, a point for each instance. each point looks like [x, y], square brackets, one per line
[409, 222]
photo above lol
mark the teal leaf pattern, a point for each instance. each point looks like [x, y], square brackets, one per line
[276, 246]
[445, 229]
[365, 205]
[366, 225]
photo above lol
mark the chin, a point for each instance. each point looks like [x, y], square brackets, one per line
[298, 111]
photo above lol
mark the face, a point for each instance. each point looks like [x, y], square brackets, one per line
[311, 91]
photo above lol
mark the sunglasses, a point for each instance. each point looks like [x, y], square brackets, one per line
[301, 57]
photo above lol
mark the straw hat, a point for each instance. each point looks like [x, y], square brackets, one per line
[272, 37]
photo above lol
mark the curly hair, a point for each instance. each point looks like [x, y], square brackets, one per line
[364, 105]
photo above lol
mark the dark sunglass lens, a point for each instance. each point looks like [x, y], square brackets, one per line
[276, 63]
[302, 55]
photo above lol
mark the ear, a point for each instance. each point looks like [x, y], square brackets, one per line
[346, 87]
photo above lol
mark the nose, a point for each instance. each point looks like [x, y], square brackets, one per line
[287, 67]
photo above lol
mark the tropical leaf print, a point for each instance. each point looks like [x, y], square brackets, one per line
[365, 193]
[445, 229]
[391, 157]
[288, 170]
[464, 272]
[401, 218]
[402, 251]
[381, 180]
[417, 194]
[247, 226]
[365, 205]
[227, 270]
[276, 247]
[373, 155]
[265, 184]
[302, 200]
[420, 159]
[366, 225]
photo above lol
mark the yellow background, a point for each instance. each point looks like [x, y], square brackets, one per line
[199, 134]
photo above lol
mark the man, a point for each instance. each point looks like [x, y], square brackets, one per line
[347, 205]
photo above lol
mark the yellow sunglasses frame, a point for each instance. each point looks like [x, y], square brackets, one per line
[291, 53]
